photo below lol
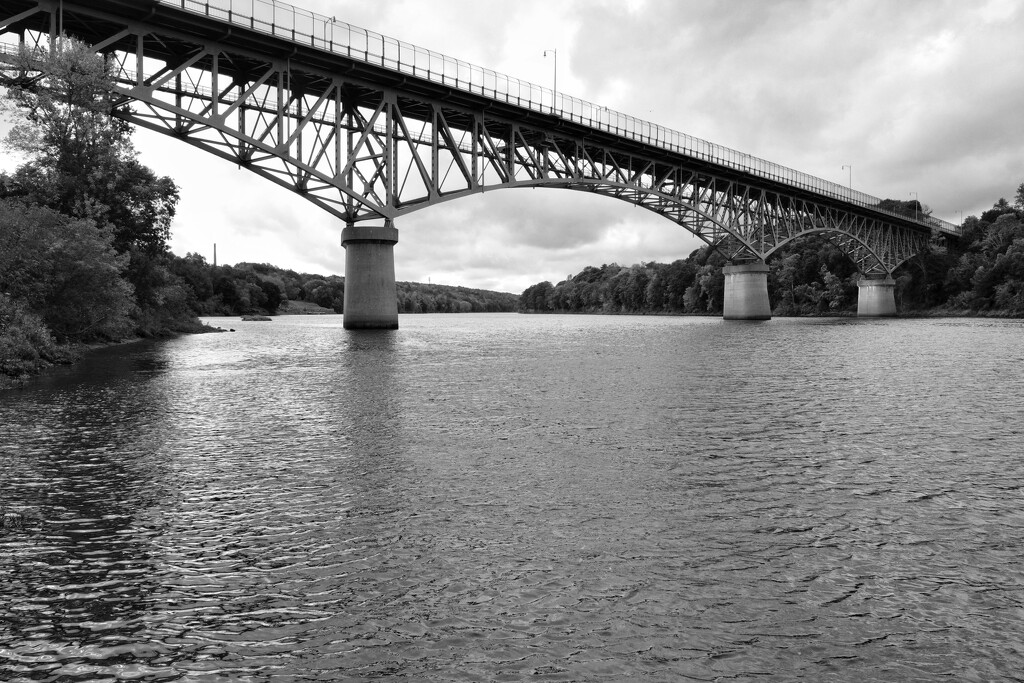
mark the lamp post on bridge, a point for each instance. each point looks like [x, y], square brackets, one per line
[554, 87]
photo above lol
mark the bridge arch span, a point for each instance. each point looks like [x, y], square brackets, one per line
[622, 192]
[861, 253]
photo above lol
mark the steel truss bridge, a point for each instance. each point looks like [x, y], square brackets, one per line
[370, 128]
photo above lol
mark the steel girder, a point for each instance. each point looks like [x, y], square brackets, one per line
[366, 147]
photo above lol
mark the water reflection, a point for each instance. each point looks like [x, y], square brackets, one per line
[82, 574]
[366, 402]
[520, 497]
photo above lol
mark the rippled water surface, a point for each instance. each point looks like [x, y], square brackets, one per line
[522, 498]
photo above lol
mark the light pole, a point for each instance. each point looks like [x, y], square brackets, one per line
[917, 203]
[850, 185]
[554, 89]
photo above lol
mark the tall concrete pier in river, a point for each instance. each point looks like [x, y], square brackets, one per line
[370, 128]
[370, 295]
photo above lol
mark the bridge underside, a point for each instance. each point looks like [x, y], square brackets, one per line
[369, 144]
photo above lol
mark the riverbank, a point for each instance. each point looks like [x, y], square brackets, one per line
[26, 353]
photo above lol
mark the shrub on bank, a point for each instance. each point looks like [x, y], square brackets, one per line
[26, 345]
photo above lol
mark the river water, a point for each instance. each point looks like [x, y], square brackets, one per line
[521, 498]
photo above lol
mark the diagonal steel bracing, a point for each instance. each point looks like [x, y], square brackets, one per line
[368, 144]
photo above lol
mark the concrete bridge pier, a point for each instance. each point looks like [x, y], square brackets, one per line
[746, 292]
[371, 301]
[876, 298]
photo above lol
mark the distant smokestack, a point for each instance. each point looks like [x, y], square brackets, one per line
[214, 254]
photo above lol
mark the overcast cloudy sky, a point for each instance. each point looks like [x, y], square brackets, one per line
[922, 97]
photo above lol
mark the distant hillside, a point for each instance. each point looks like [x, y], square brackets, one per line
[254, 288]
[416, 297]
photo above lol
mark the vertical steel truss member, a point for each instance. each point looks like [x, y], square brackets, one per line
[369, 144]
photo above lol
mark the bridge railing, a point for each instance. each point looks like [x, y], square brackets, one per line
[328, 33]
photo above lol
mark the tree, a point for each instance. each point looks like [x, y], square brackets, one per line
[911, 209]
[81, 161]
[783, 279]
[1000, 208]
[66, 271]
[535, 298]
[655, 294]
[224, 287]
[712, 286]
[679, 276]
[81, 164]
[273, 299]
[634, 288]
[834, 293]
[197, 274]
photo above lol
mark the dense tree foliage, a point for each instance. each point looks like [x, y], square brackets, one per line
[980, 273]
[26, 344]
[66, 271]
[93, 222]
[984, 272]
[80, 159]
[250, 288]
[416, 297]
[231, 290]
[810, 277]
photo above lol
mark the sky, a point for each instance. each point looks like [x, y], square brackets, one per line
[924, 99]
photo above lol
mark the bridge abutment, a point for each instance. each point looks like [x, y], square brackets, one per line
[746, 292]
[371, 301]
[876, 298]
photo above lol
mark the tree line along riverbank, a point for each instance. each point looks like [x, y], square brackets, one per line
[261, 288]
[979, 274]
